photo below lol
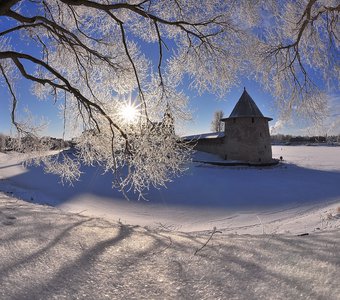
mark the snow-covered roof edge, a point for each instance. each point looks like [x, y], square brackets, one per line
[210, 135]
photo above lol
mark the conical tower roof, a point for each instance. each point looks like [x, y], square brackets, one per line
[246, 107]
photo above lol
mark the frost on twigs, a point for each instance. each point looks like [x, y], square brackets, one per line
[28, 138]
[151, 155]
[68, 169]
[170, 159]
[297, 56]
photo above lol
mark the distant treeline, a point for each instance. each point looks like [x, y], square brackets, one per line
[290, 139]
[23, 144]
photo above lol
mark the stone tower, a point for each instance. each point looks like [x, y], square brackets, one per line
[247, 135]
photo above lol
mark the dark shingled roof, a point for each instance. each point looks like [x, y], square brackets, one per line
[246, 107]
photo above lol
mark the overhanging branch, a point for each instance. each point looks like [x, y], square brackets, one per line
[66, 86]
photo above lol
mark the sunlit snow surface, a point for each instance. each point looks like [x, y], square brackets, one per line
[46, 253]
[293, 197]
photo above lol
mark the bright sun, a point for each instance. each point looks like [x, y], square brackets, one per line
[129, 113]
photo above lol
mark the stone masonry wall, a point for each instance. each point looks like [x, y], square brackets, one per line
[247, 139]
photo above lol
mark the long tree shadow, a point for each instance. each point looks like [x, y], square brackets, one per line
[39, 252]
[94, 259]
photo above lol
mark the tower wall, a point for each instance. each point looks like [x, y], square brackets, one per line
[247, 139]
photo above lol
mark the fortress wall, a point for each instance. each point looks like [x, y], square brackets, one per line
[213, 145]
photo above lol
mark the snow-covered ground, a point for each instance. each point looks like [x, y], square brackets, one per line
[50, 253]
[300, 195]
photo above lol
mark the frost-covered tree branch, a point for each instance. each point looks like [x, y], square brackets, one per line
[302, 39]
[92, 57]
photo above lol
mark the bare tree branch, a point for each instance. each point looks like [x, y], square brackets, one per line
[66, 86]
[14, 98]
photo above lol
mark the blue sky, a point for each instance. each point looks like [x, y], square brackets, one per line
[201, 106]
[204, 106]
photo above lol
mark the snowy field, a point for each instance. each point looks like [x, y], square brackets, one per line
[48, 253]
[297, 196]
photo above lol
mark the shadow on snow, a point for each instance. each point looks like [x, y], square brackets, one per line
[235, 188]
[54, 255]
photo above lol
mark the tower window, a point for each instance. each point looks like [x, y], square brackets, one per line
[234, 120]
[265, 146]
[260, 133]
[252, 120]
